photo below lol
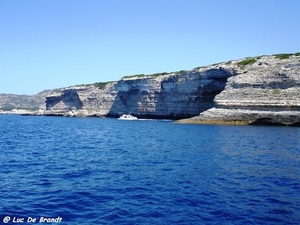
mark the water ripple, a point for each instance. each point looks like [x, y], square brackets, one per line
[105, 171]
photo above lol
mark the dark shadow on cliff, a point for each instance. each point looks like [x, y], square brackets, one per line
[175, 99]
[267, 121]
[273, 122]
[69, 97]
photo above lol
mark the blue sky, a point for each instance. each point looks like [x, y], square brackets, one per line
[47, 44]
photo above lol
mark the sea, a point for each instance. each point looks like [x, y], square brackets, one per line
[63, 170]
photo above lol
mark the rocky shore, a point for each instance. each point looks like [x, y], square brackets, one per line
[256, 90]
[266, 91]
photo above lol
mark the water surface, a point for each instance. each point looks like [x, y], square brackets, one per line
[107, 171]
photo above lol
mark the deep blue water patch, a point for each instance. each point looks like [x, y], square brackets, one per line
[106, 171]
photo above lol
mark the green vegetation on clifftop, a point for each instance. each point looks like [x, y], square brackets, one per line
[248, 61]
[154, 74]
[101, 85]
[283, 56]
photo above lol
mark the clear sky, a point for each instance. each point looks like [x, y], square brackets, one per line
[47, 44]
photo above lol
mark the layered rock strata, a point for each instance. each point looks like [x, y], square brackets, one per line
[84, 100]
[174, 95]
[260, 90]
[266, 91]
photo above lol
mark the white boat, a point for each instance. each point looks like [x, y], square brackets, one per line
[127, 117]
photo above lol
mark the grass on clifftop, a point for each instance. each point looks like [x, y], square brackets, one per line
[283, 56]
[248, 61]
[101, 85]
[154, 74]
[286, 55]
[144, 75]
[135, 75]
[245, 62]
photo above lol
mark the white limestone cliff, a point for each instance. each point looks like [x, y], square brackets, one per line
[163, 96]
[266, 91]
[259, 90]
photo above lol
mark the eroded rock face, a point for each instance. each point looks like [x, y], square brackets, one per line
[262, 90]
[164, 96]
[265, 92]
[85, 100]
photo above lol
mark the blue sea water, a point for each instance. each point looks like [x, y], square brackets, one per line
[107, 171]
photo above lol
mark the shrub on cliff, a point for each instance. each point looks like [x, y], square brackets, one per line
[101, 85]
[180, 72]
[135, 75]
[283, 56]
[158, 74]
[248, 61]
[144, 75]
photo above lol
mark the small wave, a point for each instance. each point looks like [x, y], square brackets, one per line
[108, 172]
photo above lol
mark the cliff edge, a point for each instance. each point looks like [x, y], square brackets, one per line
[254, 90]
[175, 95]
[265, 90]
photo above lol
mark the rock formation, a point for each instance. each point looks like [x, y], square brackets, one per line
[260, 90]
[174, 95]
[83, 100]
[265, 90]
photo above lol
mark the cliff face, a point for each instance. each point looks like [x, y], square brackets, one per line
[162, 96]
[265, 91]
[261, 90]
[85, 100]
